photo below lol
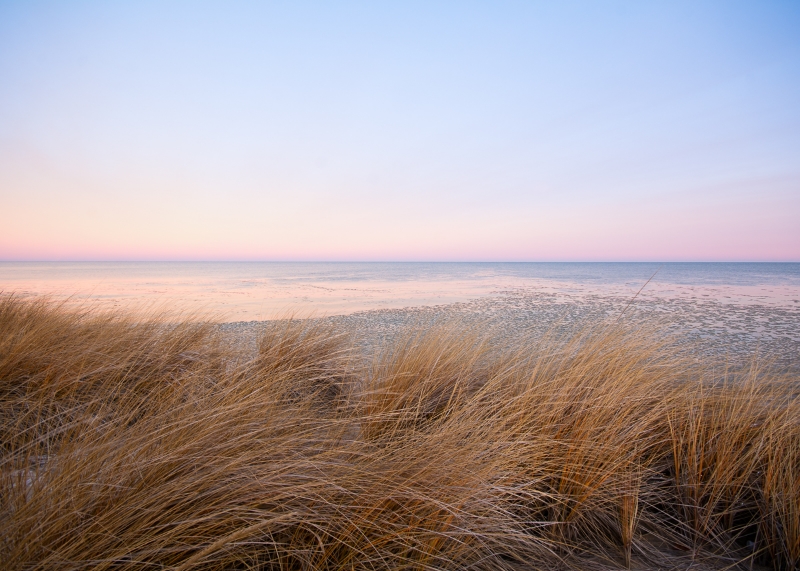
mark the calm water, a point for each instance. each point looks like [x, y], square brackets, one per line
[256, 290]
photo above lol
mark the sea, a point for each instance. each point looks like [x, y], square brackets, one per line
[247, 291]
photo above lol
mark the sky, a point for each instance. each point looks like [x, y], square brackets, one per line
[441, 131]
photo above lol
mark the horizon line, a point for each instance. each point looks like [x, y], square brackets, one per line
[361, 261]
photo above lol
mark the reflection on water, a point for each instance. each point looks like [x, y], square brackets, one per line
[254, 290]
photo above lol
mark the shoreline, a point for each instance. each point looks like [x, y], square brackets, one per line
[722, 330]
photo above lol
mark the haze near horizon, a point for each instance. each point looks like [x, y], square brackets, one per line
[422, 131]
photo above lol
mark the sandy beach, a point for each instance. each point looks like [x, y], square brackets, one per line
[400, 286]
[735, 332]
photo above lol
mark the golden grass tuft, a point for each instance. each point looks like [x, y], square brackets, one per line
[130, 443]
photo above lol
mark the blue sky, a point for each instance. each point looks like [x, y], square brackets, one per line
[400, 131]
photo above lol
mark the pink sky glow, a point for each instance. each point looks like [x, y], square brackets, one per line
[409, 132]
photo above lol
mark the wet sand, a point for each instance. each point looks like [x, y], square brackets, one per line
[713, 327]
[263, 291]
[728, 310]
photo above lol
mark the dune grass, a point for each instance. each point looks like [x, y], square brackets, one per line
[154, 444]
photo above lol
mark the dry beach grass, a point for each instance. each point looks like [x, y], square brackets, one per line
[155, 443]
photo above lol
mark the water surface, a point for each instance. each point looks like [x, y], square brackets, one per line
[238, 291]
